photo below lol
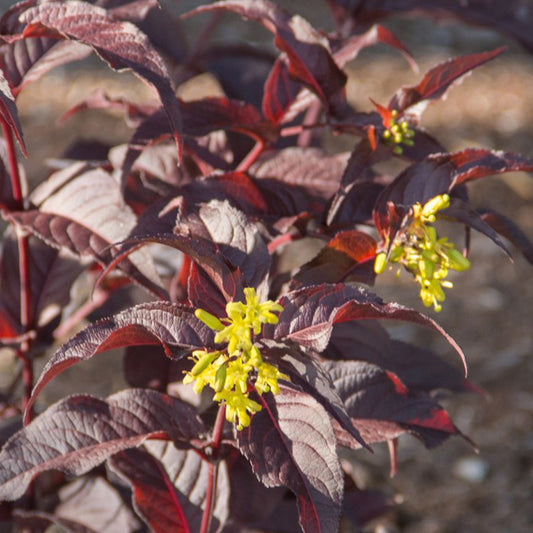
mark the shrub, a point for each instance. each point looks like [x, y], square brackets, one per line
[247, 377]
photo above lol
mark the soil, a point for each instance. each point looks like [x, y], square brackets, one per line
[489, 312]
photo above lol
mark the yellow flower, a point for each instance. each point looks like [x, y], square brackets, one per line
[267, 379]
[425, 256]
[238, 405]
[232, 371]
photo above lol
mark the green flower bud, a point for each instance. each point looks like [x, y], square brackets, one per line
[205, 360]
[431, 234]
[457, 260]
[398, 150]
[381, 263]
[396, 254]
[427, 268]
[220, 378]
[209, 320]
[430, 256]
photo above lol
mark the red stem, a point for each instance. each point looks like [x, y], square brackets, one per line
[280, 240]
[298, 130]
[13, 164]
[212, 467]
[251, 157]
[24, 265]
[305, 138]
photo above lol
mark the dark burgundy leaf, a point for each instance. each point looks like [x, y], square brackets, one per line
[356, 205]
[475, 163]
[8, 111]
[241, 69]
[344, 258]
[202, 292]
[349, 48]
[253, 505]
[237, 187]
[358, 169]
[289, 202]
[156, 323]
[239, 242]
[280, 92]
[308, 51]
[510, 17]
[419, 368]
[440, 173]
[52, 274]
[80, 432]
[306, 373]
[120, 44]
[201, 117]
[164, 32]
[177, 481]
[83, 211]
[80, 498]
[156, 165]
[27, 60]
[9, 325]
[460, 211]
[310, 168]
[382, 407]
[203, 251]
[286, 449]
[309, 314]
[436, 81]
[147, 367]
[507, 228]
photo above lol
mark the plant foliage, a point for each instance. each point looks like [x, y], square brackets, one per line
[246, 379]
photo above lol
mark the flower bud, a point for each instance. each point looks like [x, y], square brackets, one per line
[431, 233]
[381, 263]
[208, 319]
[205, 360]
[442, 201]
[396, 254]
[220, 378]
[427, 268]
[457, 260]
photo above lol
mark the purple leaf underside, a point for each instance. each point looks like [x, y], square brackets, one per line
[80, 432]
[286, 449]
[156, 323]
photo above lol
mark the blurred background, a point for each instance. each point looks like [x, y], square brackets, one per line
[489, 312]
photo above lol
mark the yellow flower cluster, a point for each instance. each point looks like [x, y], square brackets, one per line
[231, 372]
[427, 258]
[398, 133]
